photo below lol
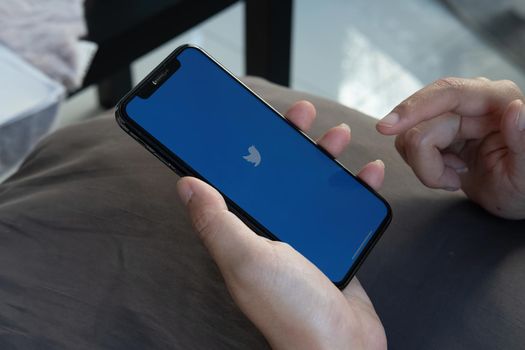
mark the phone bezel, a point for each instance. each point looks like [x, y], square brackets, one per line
[183, 169]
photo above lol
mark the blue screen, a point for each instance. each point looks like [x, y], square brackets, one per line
[254, 157]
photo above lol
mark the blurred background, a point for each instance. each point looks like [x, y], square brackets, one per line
[365, 54]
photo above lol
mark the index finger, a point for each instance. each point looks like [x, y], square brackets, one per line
[466, 97]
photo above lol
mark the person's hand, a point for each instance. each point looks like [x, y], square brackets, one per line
[466, 134]
[292, 303]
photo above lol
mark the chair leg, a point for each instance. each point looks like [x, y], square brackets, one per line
[113, 88]
[268, 26]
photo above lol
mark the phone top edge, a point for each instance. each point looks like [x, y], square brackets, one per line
[121, 104]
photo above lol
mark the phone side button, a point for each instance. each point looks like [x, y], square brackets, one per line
[175, 170]
[148, 147]
[168, 164]
[132, 134]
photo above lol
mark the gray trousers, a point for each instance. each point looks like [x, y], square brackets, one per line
[96, 252]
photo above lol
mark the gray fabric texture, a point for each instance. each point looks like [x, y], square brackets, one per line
[46, 34]
[96, 252]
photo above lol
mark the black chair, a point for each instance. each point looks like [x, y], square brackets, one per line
[127, 29]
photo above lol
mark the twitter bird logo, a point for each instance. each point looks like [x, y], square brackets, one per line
[253, 156]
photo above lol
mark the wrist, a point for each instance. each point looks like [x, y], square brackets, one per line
[346, 332]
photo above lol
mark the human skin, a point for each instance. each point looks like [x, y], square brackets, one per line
[292, 303]
[466, 134]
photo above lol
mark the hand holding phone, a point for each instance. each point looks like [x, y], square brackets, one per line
[201, 121]
[288, 299]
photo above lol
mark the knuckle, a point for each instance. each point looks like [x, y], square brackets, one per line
[510, 86]
[430, 182]
[482, 78]
[284, 246]
[449, 83]
[426, 179]
[414, 138]
[405, 108]
[201, 220]
[207, 223]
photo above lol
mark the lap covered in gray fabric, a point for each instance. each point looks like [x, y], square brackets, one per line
[96, 252]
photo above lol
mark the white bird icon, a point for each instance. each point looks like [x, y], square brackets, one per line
[253, 156]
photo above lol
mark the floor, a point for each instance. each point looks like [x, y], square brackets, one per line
[366, 54]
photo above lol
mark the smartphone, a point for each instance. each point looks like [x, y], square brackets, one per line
[201, 121]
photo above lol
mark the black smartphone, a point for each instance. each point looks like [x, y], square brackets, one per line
[201, 121]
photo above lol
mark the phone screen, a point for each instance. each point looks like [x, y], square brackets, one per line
[275, 174]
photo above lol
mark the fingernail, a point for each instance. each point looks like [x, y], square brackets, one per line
[520, 119]
[380, 163]
[390, 120]
[461, 170]
[184, 191]
[451, 189]
[344, 126]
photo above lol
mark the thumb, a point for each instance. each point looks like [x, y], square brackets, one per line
[228, 240]
[513, 130]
